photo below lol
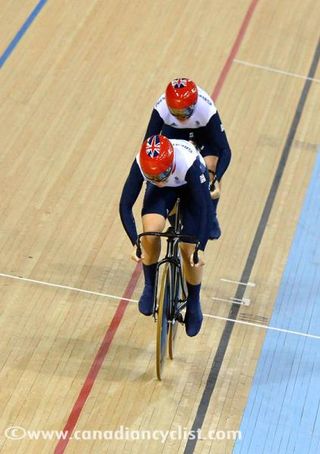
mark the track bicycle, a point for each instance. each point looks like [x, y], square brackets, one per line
[170, 295]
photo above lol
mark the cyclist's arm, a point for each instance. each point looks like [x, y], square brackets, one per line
[155, 124]
[199, 190]
[130, 192]
[218, 142]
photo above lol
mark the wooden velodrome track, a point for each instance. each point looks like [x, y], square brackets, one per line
[76, 90]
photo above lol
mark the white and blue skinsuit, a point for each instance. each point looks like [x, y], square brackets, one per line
[204, 128]
[189, 181]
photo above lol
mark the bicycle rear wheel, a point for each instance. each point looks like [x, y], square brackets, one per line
[173, 326]
[163, 301]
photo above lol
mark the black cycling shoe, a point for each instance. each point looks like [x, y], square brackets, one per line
[193, 322]
[146, 300]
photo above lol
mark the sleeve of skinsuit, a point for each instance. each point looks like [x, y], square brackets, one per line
[198, 185]
[217, 139]
[130, 192]
[155, 124]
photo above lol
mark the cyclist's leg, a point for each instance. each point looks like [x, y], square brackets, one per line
[151, 249]
[156, 204]
[152, 222]
[193, 276]
[212, 162]
[190, 221]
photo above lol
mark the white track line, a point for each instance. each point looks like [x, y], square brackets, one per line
[248, 284]
[105, 295]
[243, 302]
[65, 287]
[274, 70]
[258, 325]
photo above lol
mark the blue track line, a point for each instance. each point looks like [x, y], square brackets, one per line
[13, 44]
[282, 415]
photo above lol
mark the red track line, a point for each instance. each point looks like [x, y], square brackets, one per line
[97, 363]
[104, 347]
[234, 50]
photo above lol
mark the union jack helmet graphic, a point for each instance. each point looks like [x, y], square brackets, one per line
[156, 158]
[181, 94]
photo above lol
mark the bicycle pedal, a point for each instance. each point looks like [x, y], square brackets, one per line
[179, 318]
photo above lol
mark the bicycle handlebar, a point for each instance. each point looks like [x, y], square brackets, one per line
[170, 235]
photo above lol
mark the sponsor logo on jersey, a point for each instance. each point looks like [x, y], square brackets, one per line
[183, 145]
[160, 101]
[221, 127]
[202, 179]
[207, 100]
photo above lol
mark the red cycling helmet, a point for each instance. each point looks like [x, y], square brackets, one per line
[156, 158]
[181, 97]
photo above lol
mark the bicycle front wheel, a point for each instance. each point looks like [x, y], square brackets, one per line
[163, 301]
[173, 327]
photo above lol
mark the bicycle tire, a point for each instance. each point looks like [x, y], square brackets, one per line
[162, 320]
[173, 326]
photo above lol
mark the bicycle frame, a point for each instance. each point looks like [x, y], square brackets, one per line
[176, 304]
[170, 297]
[172, 256]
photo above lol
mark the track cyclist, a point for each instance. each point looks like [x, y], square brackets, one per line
[185, 111]
[171, 169]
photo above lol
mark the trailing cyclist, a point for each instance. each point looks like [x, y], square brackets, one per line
[185, 111]
[171, 169]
